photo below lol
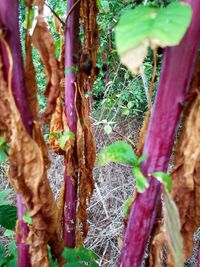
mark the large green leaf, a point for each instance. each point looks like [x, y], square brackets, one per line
[172, 226]
[119, 152]
[79, 257]
[8, 216]
[149, 26]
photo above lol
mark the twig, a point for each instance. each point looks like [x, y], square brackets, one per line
[102, 258]
[55, 14]
[101, 198]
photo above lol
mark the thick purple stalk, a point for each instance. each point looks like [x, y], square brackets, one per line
[9, 19]
[176, 74]
[71, 54]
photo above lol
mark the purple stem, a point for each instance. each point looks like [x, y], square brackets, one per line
[9, 19]
[71, 53]
[177, 68]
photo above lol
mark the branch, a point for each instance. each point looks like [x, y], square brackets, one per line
[55, 14]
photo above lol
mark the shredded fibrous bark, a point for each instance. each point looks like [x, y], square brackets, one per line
[186, 184]
[29, 178]
[86, 150]
[44, 43]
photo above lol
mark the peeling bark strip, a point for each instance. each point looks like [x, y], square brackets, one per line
[185, 189]
[43, 42]
[176, 74]
[186, 185]
[9, 22]
[29, 178]
[80, 155]
[86, 150]
[71, 53]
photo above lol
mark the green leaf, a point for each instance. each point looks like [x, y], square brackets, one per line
[72, 68]
[2, 141]
[149, 26]
[107, 129]
[173, 227]
[79, 257]
[9, 233]
[104, 4]
[126, 206]
[8, 216]
[4, 259]
[3, 194]
[141, 181]
[125, 111]
[63, 139]
[13, 261]
[2, 251]
[27, 218]
[87, 94]
[55, 134]
[164, 178]
[57, 46]
[3, 156]
[119, 152]
[12, 247]
[31, 13]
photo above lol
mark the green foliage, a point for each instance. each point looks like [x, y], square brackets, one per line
[4, 194]
[27, 218]
[144, 26]
[63, 137]
[40, 79]
[29, 14]
[8, 213]
[141, 181]
[107, 128]
[126, 206]
[8, 259]
[72, 68]
[77, 257]
[4, 148]
[121, 152]
[8, 216]
[80, 257]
